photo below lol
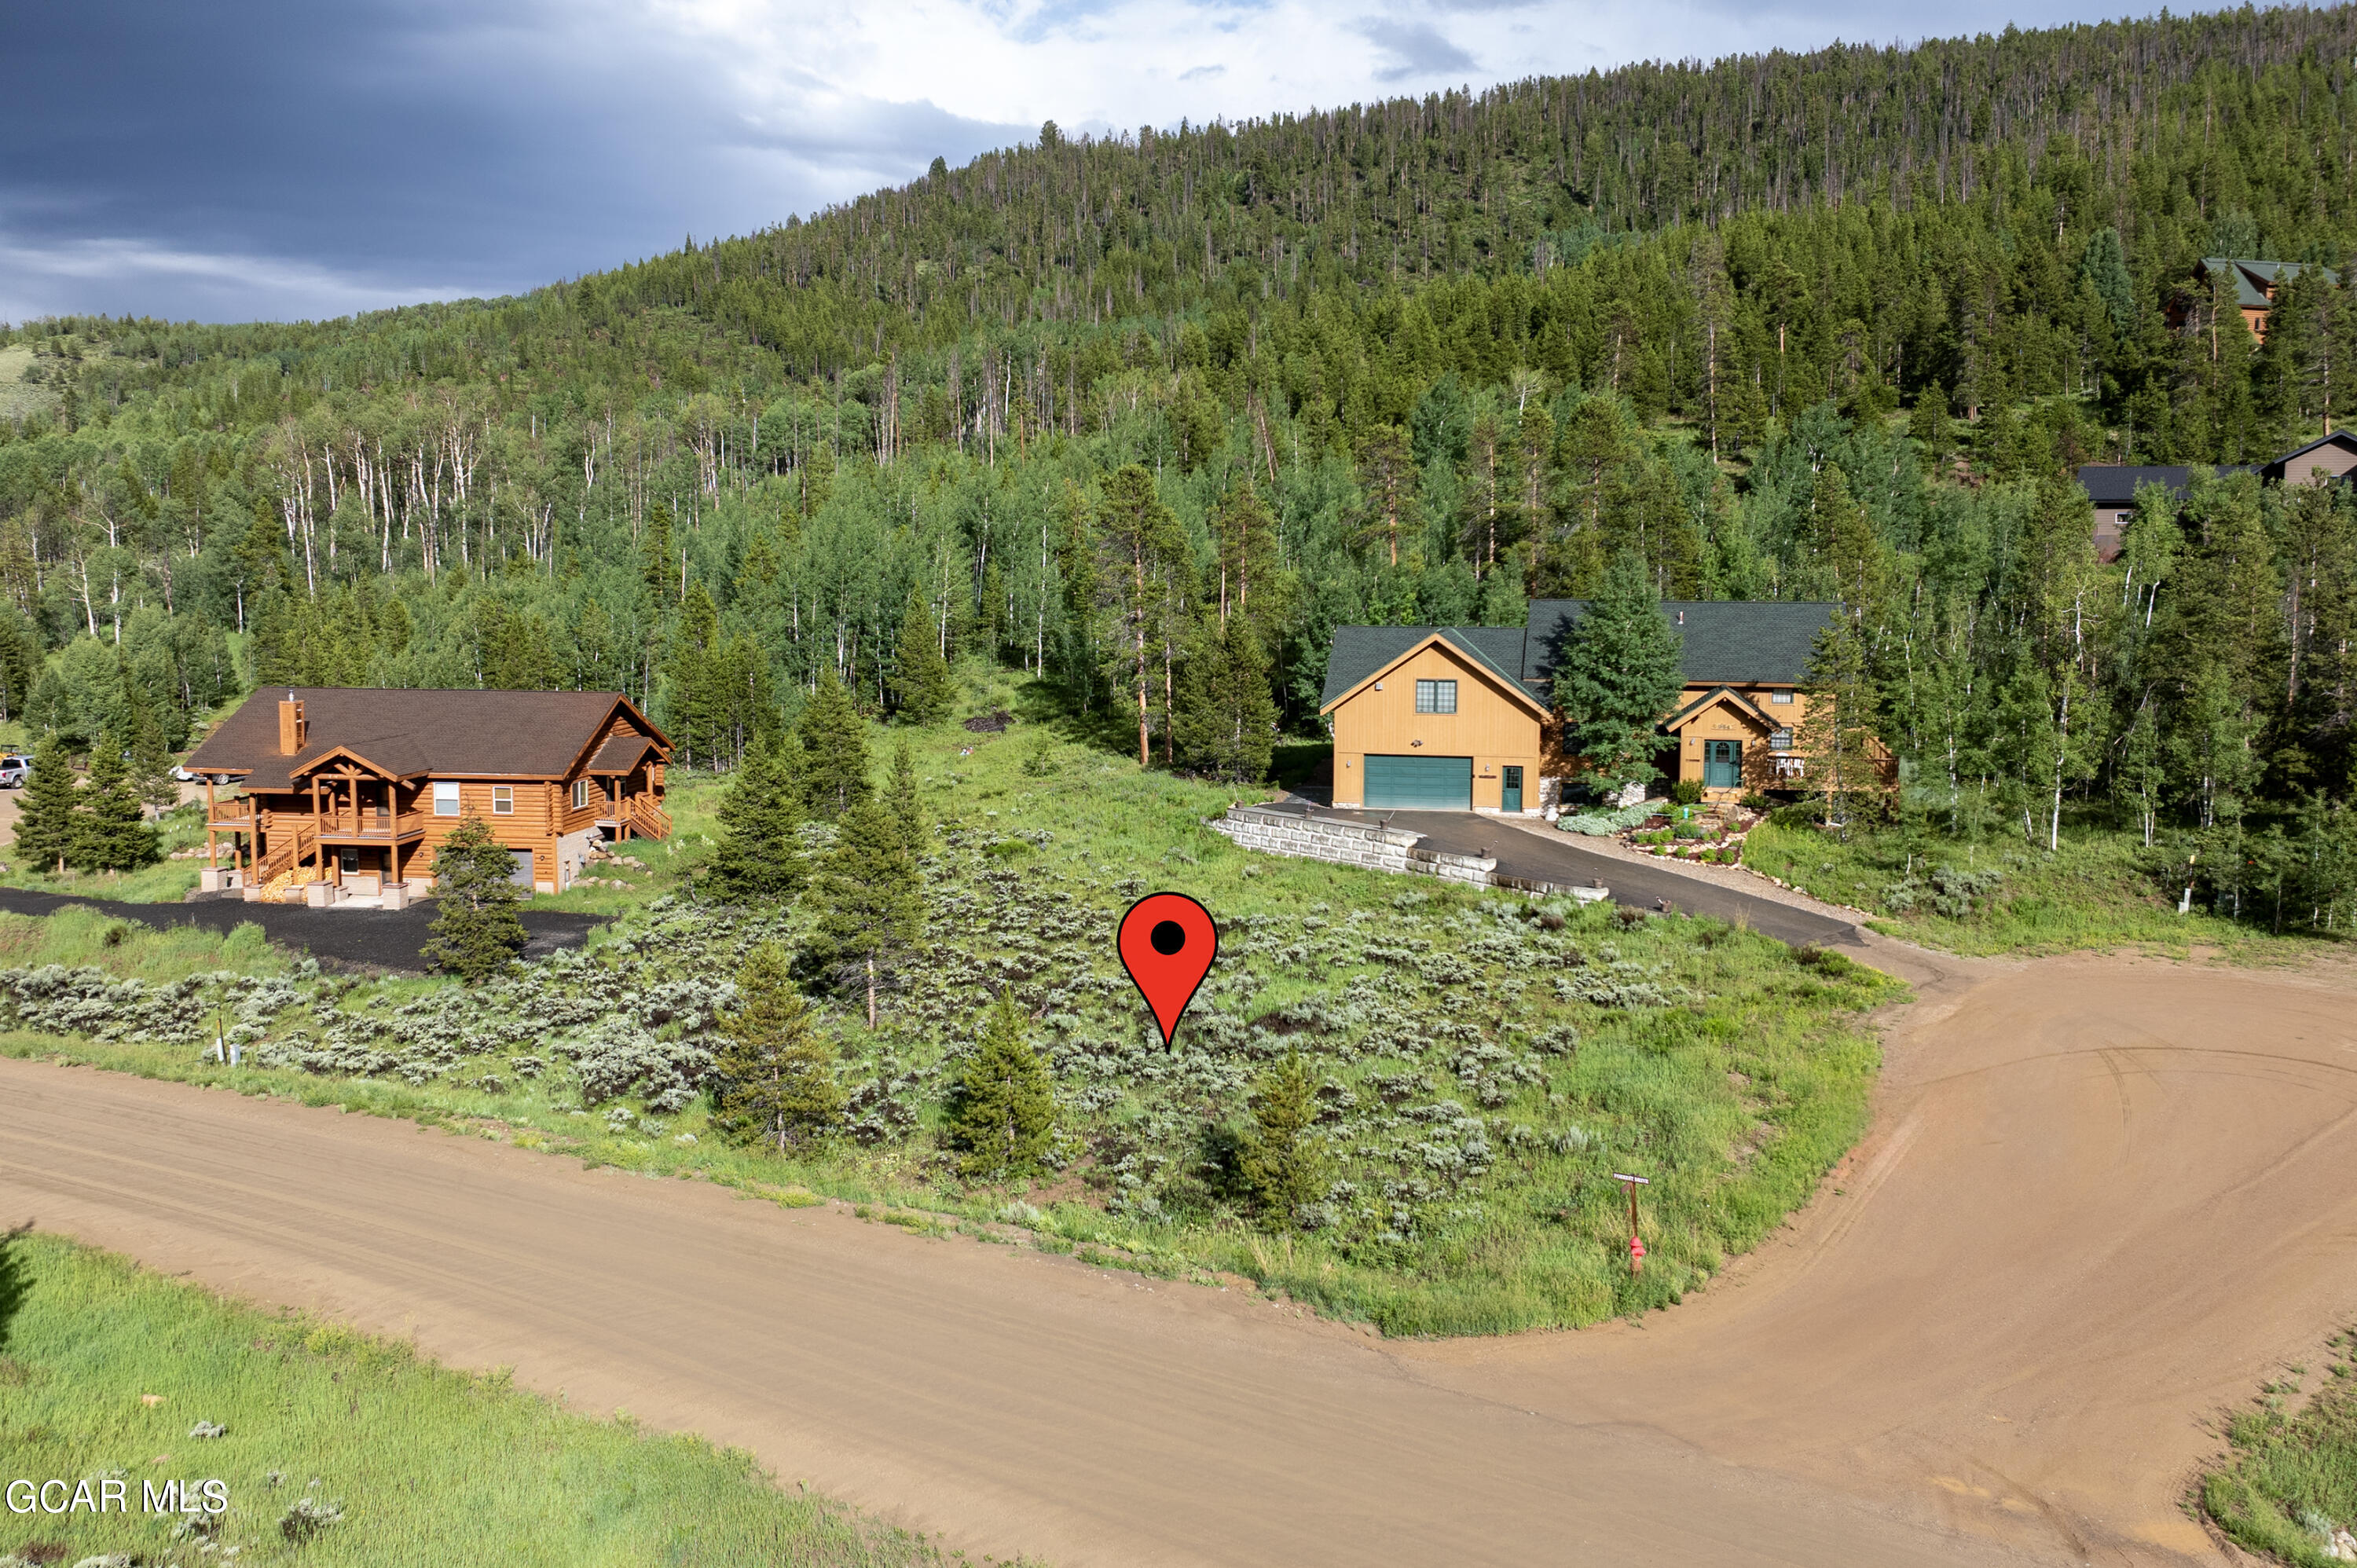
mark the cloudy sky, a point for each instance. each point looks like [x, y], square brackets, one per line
[287, 159]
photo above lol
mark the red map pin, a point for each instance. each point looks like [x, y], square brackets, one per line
[1167, 943]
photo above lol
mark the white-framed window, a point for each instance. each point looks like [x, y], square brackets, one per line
[1791, 768]
[1779, 697]
[1435, 696]
[1779, 740]
[445, 797]
[580, 794]
[503, 799]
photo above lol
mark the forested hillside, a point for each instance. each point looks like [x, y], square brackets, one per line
[1151, 414]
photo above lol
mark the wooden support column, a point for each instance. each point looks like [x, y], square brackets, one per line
[212, 848]
[318, 826]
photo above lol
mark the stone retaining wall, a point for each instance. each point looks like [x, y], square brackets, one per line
[1351, 844]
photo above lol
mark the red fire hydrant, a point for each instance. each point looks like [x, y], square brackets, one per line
[1636, 1254]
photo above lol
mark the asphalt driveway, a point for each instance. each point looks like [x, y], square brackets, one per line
[1557, 858]
[372, 939]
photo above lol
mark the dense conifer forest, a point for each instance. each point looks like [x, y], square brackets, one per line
[1148, 414]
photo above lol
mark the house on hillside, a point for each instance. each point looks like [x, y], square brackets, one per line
[2255, 285]
[1461, 718]
[348, 790]
[2331, 458]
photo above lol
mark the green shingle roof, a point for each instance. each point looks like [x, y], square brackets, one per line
[1732, 642]
[2252, 277]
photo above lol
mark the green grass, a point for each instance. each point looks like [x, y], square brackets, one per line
[1487, 1070]
[2091, 894]
[2290, 1478]
[165, 882]
[428, 1465]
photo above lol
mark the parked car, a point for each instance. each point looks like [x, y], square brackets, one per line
[180, 772]
[14, 769]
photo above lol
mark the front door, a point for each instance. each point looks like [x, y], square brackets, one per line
[1722, 763]
[1509, 789]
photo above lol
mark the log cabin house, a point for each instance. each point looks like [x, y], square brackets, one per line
[345, 791]
[1458, 718]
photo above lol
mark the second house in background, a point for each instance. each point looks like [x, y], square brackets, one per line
[351, 788]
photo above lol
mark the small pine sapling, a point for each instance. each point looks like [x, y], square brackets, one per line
[871, 898]
[776, 1074]
[1003, 1115]
[111, 832]
[906, 803]
[922, 688]
[1281, 1159]
[45, 819]
[477, 933]
[834, 751]
[758, 860]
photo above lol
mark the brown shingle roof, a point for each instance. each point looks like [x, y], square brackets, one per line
[620, 754]
[410, 734]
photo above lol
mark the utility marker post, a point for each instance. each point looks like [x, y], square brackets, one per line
[1636, 1242]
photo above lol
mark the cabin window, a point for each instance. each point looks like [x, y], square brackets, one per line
[1779, 740]
[1779, 697]
[1435, 696]
[446, 797]
[580, 794]
[503, 799]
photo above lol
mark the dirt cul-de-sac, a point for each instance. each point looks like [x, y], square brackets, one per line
[2102, 1198]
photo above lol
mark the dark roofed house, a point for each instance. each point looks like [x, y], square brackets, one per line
[343, 792]
[2331, 458]
[2113, 490]
[1460, 717]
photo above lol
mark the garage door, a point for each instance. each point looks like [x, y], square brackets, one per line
[1420, 783]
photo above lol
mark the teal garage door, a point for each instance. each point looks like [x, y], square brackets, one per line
[1420, 783]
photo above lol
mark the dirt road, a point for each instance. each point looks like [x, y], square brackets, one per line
[2103, 1199]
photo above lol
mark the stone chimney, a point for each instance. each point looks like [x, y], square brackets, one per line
[291, 727]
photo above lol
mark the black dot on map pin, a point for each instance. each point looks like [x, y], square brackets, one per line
[1167, 942]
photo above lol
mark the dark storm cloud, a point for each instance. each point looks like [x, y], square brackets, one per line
[310, 158]
[1413, 49]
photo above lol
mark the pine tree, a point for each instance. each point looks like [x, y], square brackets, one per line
[921, 685]
[906, 802]
[2105, 265]
[870, 897]
[1226, 720]
[112, 833]
[1280, 1159]
[477, 933]
[1003, 1115]
[45, 817]
[150, 758]
[658, 559]
[1620, 676]
[1836, 734]
[759, 859]
[776, 1074]
[834, 751]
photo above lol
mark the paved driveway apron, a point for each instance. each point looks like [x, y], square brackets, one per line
[1526, 856]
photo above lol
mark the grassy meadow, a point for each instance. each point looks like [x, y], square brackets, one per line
[341, 1449]
[2289, 1483]
[2011, 898]
[1486, 1061]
